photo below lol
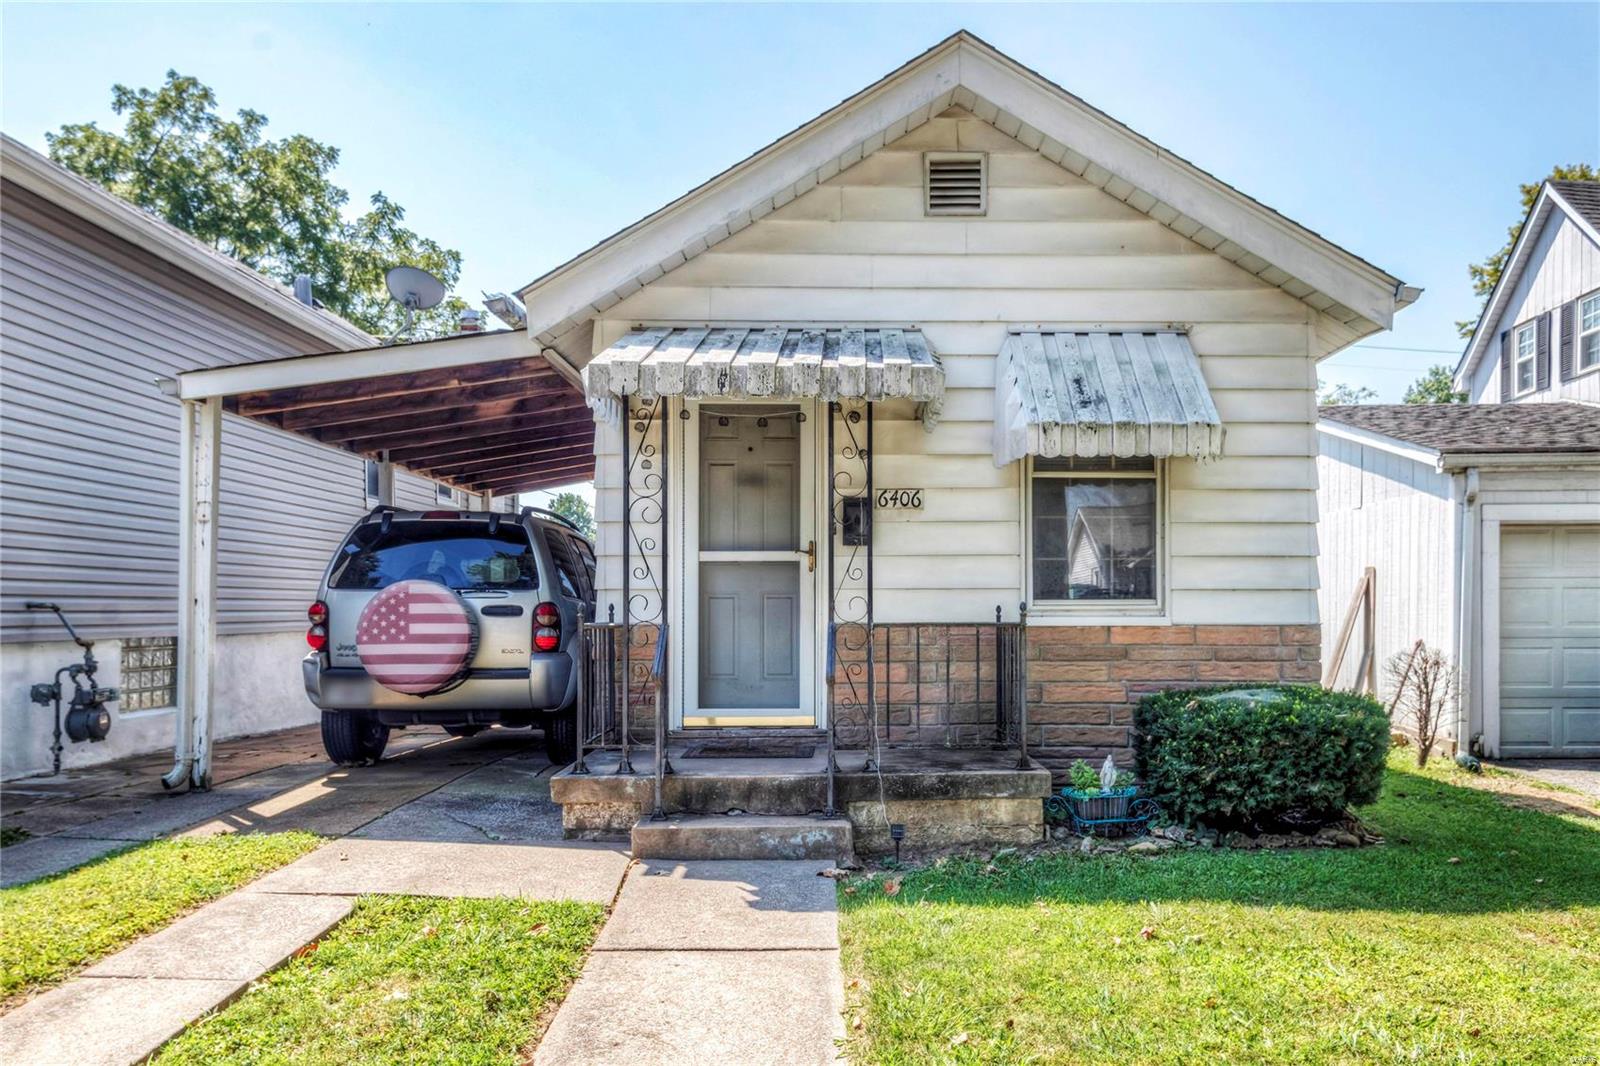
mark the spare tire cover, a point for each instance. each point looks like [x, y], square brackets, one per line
[416, 637]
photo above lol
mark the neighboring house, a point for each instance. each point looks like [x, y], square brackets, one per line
[99, 300]
[960, 345]
[1539, 338]
[1482, 520]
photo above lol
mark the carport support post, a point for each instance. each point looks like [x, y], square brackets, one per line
[385, 479]
[197, 584]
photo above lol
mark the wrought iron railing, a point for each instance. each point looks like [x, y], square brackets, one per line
[929, 685]
[890, 685]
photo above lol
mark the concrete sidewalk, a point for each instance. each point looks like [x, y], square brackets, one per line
[708, 963]
[502, 840]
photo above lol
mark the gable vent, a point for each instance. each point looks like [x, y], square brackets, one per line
[956, 183]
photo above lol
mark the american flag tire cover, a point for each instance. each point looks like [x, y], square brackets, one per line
[416, 637]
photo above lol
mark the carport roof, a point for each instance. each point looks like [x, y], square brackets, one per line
[485, 412]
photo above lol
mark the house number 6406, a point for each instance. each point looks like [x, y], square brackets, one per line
[908, 499]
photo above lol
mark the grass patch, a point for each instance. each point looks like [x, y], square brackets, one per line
[11, 834]
[407, 979]
[1355, 955]
[53, 926]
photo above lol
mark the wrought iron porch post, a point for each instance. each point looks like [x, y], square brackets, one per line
[624, 762]
[872, 676]
[833, 633]
[585, 664]
[1022, 686]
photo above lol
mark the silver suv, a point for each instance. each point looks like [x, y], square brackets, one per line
[461, 619]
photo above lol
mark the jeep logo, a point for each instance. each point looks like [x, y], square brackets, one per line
[512, 651]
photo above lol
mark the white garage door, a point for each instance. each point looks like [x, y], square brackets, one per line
[1550, 641]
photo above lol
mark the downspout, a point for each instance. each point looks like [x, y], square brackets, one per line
[1465, 489]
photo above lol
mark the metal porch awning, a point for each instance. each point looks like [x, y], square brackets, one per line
[484, 412]
[772, 363]
[1096, 395]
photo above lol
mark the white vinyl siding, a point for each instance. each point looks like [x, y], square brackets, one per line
[89, 454]
[1366, 495]
[1051, 249]
[1563, 265]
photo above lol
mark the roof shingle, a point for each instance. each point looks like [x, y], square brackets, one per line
[1479, 428]
[1583, 197]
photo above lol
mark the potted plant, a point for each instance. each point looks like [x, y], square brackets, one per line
[1103, 799]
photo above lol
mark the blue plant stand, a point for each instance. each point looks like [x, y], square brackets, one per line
[1116, 812]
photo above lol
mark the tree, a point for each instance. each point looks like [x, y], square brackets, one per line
[1436, 386]
[1486, 275]
[575, 509]
[1343, 395]
[267, 203]
[1424, 694]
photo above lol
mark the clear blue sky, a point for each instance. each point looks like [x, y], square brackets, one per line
[522, 134]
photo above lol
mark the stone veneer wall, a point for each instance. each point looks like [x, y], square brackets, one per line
[1083, 681]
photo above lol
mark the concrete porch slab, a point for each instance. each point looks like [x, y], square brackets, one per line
[358, 866]
[258, 931]
[723, 906]
[699, 1008]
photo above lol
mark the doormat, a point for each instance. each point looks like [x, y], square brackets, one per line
[765, 750]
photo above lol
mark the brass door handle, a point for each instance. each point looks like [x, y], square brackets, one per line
[811, 557]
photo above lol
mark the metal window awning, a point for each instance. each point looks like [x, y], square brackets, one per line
[772, 363]
[1093, 395]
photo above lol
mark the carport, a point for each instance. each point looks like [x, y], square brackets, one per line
[488, 413]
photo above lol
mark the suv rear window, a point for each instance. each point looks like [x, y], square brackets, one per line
[460, 555]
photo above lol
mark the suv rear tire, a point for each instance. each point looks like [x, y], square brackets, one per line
[352, 739]
[561, 735]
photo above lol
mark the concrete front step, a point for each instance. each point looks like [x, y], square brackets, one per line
[743, 836]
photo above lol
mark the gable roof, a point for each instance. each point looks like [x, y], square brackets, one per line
[966, 72]
[56, 184]
[1478, 429]
[1579, 201]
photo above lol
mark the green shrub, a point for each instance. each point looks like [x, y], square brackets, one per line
[1253, 756]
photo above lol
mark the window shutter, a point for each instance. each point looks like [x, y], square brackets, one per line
[1505, 365]
[1541, 354]
[1569, 326]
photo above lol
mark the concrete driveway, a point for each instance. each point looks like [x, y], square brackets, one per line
[1580, 774]
[278, 782]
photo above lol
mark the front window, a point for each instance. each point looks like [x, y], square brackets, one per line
[1527, 345]
[1094, 533]
[458, 555]
[1589, 332]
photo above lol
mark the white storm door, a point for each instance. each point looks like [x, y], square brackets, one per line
[755, 539]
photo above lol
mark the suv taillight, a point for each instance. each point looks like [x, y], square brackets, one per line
[317, 635]
[547, 627]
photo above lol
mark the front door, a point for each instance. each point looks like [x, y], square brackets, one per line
[757, 557]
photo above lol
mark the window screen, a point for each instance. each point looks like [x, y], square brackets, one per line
[1094, 538]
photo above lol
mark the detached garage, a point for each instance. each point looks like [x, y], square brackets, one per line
[1481, 525]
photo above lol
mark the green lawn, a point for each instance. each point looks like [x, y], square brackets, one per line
[406, 979]
[1380, 954]
[53, 926]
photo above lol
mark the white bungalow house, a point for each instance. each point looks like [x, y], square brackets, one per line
[927, 439]
[1481, 521]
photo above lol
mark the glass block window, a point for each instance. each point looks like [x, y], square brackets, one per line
[149, 673]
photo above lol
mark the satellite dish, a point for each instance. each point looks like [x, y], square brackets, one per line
[414, 289]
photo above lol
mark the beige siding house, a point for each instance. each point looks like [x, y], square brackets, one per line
[925, 441]
[98, 301]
